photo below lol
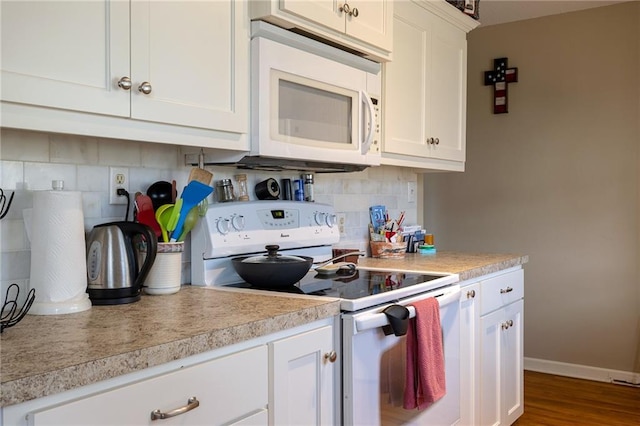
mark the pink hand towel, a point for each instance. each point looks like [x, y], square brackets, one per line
[425, 374]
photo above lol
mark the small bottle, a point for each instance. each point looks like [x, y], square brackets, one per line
[243, 193]
[307, 178]
[225, 190]
[299, 190]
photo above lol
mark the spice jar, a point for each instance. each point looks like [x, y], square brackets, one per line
[243, 193]
[225, 190]
[307, 178]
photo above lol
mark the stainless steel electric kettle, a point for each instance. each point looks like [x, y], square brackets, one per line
[113, 271]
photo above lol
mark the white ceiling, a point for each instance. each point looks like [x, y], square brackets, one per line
[494, 12]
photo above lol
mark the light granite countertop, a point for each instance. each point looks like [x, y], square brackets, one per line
[44, 355]
[466, 265]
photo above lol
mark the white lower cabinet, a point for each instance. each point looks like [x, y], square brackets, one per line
[287, 377]
[303, 378]
[229, 390]
[492, 349]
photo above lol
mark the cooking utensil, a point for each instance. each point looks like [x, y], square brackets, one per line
[189, 223]
[174, 191]
[146, 215]
[272, 270]
[112, 262]
[160, 193]
[333, 268]
[193, 193]
[174, 216]
[340, 256]
[162, 217]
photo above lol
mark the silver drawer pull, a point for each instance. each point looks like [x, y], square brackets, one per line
[191, 404]
[506, 290]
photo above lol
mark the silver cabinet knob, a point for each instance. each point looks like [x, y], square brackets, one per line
[331, 356]
[124, 83]
[437, 141]
[145, 87]
[471, 294]
[507, 324]
[345, 8]
[355, 12]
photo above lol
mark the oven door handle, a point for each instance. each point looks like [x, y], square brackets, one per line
[379, 319]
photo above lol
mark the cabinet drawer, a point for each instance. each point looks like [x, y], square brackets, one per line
[501, 290]
[229, 389]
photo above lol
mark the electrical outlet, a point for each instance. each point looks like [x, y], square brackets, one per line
[342, 219]
[118, 178]
[412, 192]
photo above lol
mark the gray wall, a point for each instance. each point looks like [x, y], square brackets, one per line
[557, 178]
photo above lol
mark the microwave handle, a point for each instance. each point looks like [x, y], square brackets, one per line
[366, 143]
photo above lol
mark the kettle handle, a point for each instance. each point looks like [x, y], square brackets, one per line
[130, 229]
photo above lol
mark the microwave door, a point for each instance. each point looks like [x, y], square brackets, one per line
[365, 144]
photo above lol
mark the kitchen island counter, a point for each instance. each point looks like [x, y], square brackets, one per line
[467, 265]
[45, 355]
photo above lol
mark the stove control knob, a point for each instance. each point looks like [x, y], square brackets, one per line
[237, 222]
[331, 220]
[320, 218]
[223, 226]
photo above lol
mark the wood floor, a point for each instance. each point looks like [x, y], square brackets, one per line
[563, 401]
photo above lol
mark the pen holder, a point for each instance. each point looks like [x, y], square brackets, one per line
[385, 250]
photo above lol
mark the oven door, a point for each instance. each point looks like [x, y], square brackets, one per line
[374, 372]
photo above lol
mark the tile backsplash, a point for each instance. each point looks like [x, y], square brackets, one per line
[29, 161]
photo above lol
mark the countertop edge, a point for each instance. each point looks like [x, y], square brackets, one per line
[61, 380]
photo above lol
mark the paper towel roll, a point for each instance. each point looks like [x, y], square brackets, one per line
[58, 253]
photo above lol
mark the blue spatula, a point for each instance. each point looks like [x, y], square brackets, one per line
[193, 193]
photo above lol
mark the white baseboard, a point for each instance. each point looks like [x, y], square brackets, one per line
[582, 371]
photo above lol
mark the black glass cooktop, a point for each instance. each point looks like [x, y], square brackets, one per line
[348, 284]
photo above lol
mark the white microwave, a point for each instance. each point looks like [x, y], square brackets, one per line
[312, 102]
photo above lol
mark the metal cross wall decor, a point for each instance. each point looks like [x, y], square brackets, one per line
[500, 77]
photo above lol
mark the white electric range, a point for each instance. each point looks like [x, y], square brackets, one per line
[371, 352]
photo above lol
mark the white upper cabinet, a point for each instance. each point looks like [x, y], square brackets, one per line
[176, 63]
[66, 55]
[186, 52]
[363, 26]
[424, 95]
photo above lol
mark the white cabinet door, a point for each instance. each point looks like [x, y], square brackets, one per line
[303, 379]
[230, 390]
[194, 56]
[501, 366]
[67, 55]
[365, 26]
[469, 348]
[373, 23]
[324, 12]
[490, 367]
[512, 367]
[425, 86]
